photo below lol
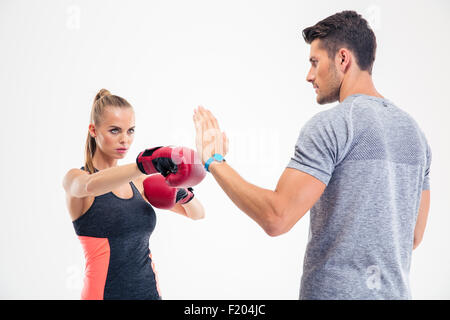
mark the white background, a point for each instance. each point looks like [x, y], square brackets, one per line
[247, 62]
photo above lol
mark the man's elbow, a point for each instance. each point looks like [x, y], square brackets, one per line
[416, 242]
[274, 231]
[276, 225]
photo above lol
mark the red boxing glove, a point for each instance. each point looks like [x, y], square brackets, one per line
[161, 196]
[180, 166]
[190, 170]
[156, 160]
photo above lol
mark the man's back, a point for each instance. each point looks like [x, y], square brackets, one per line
[375, 161]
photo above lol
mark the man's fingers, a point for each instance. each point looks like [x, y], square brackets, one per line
[209, 138]
[212, 119]
[208, 117]
[208, 121]
[199, 133]
[225, 143]
[196, 121]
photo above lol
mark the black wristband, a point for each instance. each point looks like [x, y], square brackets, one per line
[182, 193]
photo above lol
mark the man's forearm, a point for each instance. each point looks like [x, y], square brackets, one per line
[258, 203]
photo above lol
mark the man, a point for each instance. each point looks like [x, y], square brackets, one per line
[360, 168]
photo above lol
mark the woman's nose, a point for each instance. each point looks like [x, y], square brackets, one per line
[123, 138]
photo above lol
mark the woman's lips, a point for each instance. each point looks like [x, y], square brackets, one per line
[121, 150]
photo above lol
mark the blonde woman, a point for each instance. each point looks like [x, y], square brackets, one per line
[111, 205]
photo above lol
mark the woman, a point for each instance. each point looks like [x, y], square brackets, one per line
[109, 209]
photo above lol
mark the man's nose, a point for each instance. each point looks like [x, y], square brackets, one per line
[310, 76]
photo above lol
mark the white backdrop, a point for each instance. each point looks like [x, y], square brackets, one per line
[247, 62]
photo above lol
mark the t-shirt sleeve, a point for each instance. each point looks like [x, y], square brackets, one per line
[322, 144]
[426, 179]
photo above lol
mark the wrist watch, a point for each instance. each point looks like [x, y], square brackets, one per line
[216, 157]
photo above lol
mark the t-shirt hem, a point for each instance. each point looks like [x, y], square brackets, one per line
[309, 170]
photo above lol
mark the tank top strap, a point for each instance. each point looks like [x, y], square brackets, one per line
[135, 189]
[95, 169]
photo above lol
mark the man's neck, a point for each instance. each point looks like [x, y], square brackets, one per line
[360, 84]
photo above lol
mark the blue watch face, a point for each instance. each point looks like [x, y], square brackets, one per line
[218, 157]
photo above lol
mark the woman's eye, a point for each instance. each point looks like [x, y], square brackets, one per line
[114, 131]
[131, 131]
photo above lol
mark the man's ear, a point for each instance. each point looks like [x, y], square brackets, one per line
[343, 59]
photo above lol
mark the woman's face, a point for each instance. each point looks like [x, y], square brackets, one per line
[115, 134]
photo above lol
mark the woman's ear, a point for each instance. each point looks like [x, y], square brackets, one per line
[92, 130]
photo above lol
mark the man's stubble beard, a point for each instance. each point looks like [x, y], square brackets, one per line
[334, 85]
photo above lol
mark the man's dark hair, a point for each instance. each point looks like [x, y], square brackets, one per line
[345, 29]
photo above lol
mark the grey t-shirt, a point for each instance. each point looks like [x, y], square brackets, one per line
[375, 161]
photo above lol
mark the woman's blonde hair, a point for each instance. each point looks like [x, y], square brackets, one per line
[102, 99]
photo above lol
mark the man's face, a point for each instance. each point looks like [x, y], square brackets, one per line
[323, 75]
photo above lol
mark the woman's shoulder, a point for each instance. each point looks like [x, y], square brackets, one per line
[77, 206]
[76, 171]
[70, 175]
